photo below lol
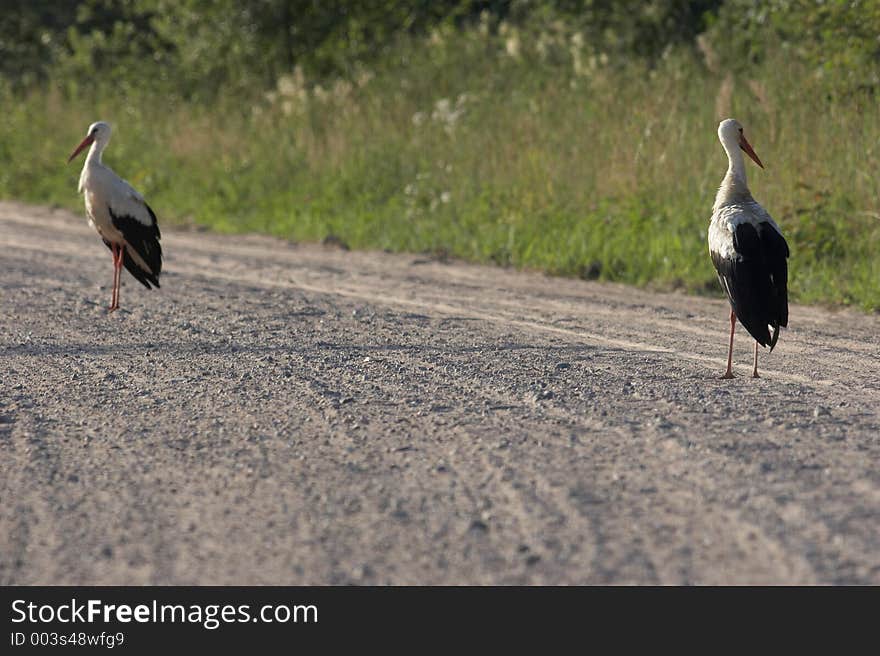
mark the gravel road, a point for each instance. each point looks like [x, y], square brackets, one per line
[299, 414]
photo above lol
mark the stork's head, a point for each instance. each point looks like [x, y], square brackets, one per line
[98, 133]
[731, 134]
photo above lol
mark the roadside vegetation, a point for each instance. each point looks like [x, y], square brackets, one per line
[576, 138]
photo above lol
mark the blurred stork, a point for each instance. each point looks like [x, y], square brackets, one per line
[748, 250]
[119, 213]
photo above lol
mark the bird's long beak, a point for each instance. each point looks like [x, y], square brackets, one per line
[747, 148]
[85, 144]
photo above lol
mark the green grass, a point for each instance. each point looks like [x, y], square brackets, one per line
[550, 161]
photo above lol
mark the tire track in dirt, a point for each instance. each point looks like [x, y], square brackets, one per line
[298, 414]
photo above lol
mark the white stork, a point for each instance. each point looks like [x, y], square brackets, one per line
[122, 218]
[748, 250]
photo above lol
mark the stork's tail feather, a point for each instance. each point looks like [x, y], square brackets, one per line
[151, 253]
[140, 274]
[774, 337]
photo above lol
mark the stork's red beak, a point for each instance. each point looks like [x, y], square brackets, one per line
[747, 148]
[85, 144]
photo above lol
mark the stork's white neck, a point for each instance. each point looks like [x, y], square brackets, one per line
[95, 152]
[92, 163]
[734, 186]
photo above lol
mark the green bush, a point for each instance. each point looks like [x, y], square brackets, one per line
[498, 137]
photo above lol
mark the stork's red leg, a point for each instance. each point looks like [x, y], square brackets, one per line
[729, 372]
[110, 308]
[117, 269]
[755, 372]
[114, 303]
[119, 257]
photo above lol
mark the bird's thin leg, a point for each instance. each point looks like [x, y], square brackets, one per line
[755, 372]
[729, 372]
[117, 269]
[119, 257]
[115, 274]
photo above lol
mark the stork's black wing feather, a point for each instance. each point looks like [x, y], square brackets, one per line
[756, 280]
[144, 239]
[775, 251]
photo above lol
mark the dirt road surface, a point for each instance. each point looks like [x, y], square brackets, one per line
[290, 414]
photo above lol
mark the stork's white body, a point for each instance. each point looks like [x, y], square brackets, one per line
[105, 192]
[119, 214]
[726, 219]
[734, 205]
